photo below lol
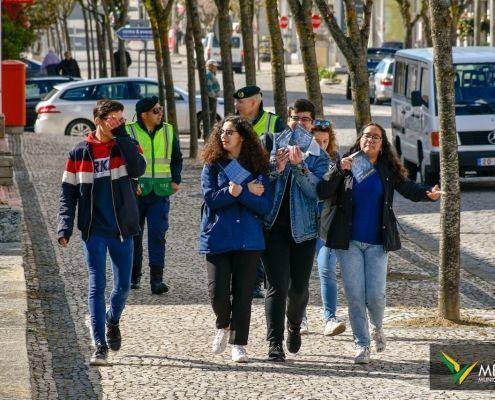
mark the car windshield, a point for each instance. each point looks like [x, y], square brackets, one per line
[474, 89]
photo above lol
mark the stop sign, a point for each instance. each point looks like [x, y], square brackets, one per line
[316, 21]
[284, 21]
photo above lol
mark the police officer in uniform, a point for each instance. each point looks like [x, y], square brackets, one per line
[162, 178]
[249, 105]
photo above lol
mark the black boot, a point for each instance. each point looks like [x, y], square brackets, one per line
[156, 282]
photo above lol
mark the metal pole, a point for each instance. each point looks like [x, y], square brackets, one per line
[146, 58]
[1, 91]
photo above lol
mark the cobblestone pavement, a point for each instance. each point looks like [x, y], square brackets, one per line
[166, 339]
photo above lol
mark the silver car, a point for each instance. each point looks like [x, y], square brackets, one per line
[68, 108]
[382, 81]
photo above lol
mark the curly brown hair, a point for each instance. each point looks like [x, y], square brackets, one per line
[332, 141]
[387, 153]
[253, 156]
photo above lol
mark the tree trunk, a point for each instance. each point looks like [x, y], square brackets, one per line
[58, 39]
[158, 57]
[163, 26]
[122, 59]
[191, 89]
[492, 23]
[448, 294]
[302, 15]
[92, 38]
[100, 41]
[457, 7]
[66, 33]
[405, 12]
[192, 10]
[225, 32]
[108, 32]
[277, 59]
[247, 15]
[477, 23]
[353, 45]
[86, 37]
[425, 16]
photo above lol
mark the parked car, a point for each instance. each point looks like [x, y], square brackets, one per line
[381, 81]
[36, 89]
[375, 55]
[415, 122]
[212, 50]
[33, 67]
[68, 108]
[393, 45]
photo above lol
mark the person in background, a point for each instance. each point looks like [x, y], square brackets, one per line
[50, 63]
[325, 256]
[118, 66]
[68, 66]
[97, 181]
[364, 230]
[162, 178]
[213, 89]
[231, 234]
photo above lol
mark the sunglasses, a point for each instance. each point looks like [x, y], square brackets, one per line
[157, 110]
[321, 123]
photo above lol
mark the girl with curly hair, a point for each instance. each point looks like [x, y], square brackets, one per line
[364, 230]
[231, 233]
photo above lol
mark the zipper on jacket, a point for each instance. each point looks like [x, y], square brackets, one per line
[113, 201]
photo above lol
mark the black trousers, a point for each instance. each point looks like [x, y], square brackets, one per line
[288, 269]
[212, 101]
[231, 278]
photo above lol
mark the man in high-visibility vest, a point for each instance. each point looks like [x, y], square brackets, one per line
[249, 105]
[162, 178]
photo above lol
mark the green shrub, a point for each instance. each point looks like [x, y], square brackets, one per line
[15, 39]
[324, 73]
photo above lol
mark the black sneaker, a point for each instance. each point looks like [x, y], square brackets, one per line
[99, 356]
[114, 339]
[293, 341]
[276, 352]
[158, 288]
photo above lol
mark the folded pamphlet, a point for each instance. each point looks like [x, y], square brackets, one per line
[362, 167]
[236, 172]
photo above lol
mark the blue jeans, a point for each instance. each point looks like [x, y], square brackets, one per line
[95, 251]
[154, 210]
[364, 272]
[327, 260]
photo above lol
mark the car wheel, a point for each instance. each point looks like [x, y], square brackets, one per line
[79, 127]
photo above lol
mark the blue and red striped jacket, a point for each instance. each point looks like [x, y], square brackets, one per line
[126, 163]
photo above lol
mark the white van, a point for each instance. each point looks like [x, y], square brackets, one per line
[415, 122]
[212, 50]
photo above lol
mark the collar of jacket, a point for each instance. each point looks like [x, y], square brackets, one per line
[143, 126]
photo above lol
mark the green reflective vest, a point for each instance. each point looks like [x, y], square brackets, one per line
[157, 153]
[266, 123]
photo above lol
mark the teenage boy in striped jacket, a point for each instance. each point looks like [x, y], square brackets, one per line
[98, 181]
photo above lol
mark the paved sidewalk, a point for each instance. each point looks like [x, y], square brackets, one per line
[166, 347]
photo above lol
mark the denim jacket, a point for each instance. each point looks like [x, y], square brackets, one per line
[231, 223]
[303, 195]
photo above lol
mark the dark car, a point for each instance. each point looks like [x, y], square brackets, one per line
[393, 45]
[33, 68]
[375, 55]
[36, 89]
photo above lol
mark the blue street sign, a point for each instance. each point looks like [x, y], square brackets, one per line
[135, 33]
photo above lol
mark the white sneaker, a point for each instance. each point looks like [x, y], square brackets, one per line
[220, 341]
[380, 340]
[304, 326]
[362, 355]
[334, 327]
[239, 354]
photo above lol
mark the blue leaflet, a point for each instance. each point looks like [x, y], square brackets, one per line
[301, 137]
[361, 166]
[236, 172]
[298, 137]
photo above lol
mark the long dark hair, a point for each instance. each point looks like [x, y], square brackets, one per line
[387, 153]
[253, 156]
